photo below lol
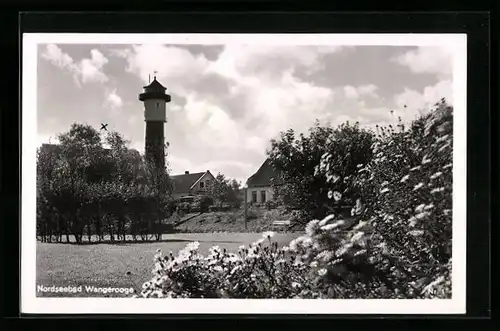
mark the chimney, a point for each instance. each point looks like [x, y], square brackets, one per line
[186, 172]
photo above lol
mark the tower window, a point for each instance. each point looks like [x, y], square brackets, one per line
[157, 104]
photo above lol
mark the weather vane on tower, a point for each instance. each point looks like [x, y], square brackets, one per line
[154, 76]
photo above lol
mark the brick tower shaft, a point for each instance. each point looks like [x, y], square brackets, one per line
[155, 143]
[155, 99]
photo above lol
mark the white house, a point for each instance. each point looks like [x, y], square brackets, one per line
[191, 183]
[259, 184]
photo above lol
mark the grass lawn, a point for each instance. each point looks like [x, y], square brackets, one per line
[121, 265]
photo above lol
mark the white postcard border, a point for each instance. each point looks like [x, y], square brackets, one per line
[32, 304]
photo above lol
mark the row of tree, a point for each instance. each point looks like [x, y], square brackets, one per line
[94, 186]
[85, 188]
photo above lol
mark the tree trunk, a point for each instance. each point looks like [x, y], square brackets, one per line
[150, 227]
[46, 231]
[98, 230]
[123, 228]
[58, 230]
[158, 230]
[111, 234]
[89, 229]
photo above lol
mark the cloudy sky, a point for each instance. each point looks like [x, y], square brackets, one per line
[229, 100]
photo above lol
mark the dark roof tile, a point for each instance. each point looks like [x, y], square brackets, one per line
[155, 84]
[182, 183]
[263, 176]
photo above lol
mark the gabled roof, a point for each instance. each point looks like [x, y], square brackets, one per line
[206, 172]
[263, 176]
[182, 183]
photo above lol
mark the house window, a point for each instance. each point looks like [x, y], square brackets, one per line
[254, 196]
[202, 184]
[157, 105]
[262, 196]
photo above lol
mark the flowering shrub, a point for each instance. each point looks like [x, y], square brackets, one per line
[300, 186]
[397, 244]
[334, 259]
[405, 193]
[259, 270]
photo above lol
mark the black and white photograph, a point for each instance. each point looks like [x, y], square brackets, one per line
[313, 173]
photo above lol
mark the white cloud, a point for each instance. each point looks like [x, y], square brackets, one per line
[120, 52]
[233, 105]
[57, 57]
[113, 100]
[433, 60]
[176, 67]
[256, 143]
[416, 101]
[179, 165]
[139, 146]
[267, 97]
[352, 92]
[267, 61]
[91, 69]
[291, 103]
[369, 90]
[85, 71]
[197, 111]
[220, 131]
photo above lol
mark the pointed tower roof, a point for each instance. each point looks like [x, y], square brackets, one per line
[155, 84]
[154, 91]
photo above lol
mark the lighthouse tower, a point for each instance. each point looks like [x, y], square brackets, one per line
[155, 99]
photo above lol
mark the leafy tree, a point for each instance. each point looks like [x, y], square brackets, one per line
[299, 186]
[405, 195]
[234, 193]
[226, 190]
[84, 187]
[219, 189]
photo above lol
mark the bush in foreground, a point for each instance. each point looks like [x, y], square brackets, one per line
[332, 260]
[397, 245]
[299, 187]
[405, 192]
